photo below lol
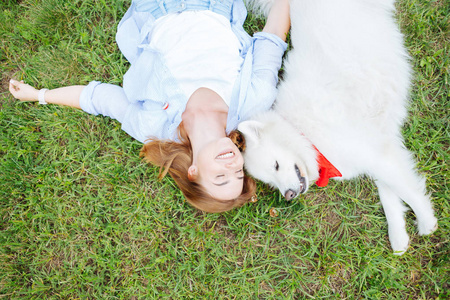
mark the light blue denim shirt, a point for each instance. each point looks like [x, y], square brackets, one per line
[151, 103]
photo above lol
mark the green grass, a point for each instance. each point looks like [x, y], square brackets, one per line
[82, 217]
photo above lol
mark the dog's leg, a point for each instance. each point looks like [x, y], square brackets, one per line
[395, 216]
[419, 202]
[398, 172]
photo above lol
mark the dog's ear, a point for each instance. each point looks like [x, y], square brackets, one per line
[251, 130]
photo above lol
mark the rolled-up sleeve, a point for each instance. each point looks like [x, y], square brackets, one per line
[267, 55]
[104, 99]
[268, 50]
[256, 88]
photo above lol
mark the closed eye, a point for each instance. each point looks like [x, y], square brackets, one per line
[277, 166]
[221, 184]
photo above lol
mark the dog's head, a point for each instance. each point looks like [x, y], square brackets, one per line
[278, 154]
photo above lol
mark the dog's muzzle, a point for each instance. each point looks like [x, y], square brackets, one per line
[291, 194]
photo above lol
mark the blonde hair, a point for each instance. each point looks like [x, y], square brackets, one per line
[175, 158]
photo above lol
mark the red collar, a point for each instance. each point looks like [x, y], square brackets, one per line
[326, 169]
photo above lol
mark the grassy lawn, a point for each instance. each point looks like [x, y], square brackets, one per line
[82, 217]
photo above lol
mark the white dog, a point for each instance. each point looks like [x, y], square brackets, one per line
[340, 109]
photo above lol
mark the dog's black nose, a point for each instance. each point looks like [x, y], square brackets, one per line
[290, 194]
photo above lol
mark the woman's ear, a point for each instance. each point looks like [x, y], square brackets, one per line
[192, 173]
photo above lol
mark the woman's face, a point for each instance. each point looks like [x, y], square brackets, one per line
[220, 169]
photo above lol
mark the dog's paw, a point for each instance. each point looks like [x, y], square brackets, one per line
[399, 242]
[427, 226]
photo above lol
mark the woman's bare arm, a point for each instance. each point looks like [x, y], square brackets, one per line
[279, 20]
[68, 96]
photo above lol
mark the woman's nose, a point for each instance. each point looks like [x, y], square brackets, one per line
[231, 164]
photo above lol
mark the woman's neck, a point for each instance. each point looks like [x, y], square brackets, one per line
[205, 118]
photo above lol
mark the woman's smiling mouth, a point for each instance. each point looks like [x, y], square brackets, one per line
[225, 155]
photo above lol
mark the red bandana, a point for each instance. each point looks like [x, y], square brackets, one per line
[326, 169]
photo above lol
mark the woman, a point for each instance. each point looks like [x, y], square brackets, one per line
[194, 75]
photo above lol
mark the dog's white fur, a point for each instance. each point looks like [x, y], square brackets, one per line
[345, 90]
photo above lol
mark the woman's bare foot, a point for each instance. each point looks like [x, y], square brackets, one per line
[23, 91]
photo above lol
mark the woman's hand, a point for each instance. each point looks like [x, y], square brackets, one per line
[22, 91]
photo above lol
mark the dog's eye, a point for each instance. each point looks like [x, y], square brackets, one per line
[277, 166]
